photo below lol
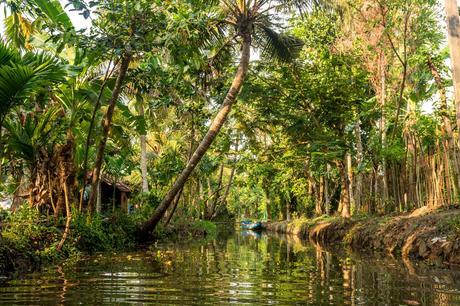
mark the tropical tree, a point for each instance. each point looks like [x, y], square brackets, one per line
[453, 37]
[127, 27]
[250, 23]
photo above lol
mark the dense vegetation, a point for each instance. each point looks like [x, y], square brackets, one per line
[216, 110]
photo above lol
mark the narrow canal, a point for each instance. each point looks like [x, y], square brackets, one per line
[243, 268]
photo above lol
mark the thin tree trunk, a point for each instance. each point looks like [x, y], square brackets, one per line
[359, 162]
[114, 189]
[90, 132]
[350, 182]
[217, 197]
[68, 219]
[214, 129]
[232, 173]
[450, 150]
[99, 200]
[345, 193]
[106, 124]
[383, 134]
[176, 202]
[327, 195]
[453, 37]
[267, 204]
[144, 174]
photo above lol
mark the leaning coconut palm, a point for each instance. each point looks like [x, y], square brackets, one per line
[250, 23]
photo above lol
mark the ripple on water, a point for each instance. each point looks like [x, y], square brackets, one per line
[241, 270]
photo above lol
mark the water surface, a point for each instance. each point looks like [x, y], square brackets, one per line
[242, 269]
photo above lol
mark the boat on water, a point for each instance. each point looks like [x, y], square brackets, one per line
[251, 225]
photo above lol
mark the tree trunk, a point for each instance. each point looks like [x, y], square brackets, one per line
[107, 122]
[320, 197]
[453, 37]
[267, 204]
[214, 129]
[68, 219]
[90, 132]
[98, 199]
[359, 162]
[212, 209]
[232, 174]
[345, 193]
[176, 202]
[145, 184]
[450, 150]
[350, 183]
[383, 132]
[327, 195]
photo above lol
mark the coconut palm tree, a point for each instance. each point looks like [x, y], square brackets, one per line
[250, 23]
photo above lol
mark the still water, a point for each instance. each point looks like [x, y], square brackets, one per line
[242, 268]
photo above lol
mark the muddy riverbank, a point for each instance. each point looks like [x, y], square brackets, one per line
[433, 236]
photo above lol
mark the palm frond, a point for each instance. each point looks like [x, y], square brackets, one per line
[8, 54]
[23, 77]
[278, 46]
[304, 6]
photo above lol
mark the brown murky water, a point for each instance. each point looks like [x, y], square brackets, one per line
[243, 268]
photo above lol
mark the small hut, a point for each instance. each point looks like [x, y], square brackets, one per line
[114, 194]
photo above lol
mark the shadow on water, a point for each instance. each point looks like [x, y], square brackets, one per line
[243, 268]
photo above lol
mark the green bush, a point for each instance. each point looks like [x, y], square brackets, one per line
[89, 234]
[103, 232]
[145, 204]
[208, 228]
[28, 231]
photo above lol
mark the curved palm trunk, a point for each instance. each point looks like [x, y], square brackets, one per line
[107, 122]
[204, 145]
[453, 37]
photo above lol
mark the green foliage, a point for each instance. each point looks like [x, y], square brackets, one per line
[185, 229]
[26, 228]
[145, 204]
[103, 232]
[23, 77]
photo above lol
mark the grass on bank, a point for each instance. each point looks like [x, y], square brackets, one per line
[29, 240]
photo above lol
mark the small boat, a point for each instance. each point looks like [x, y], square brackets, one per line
[250, 225]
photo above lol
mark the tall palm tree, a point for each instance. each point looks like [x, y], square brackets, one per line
[250, 23]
